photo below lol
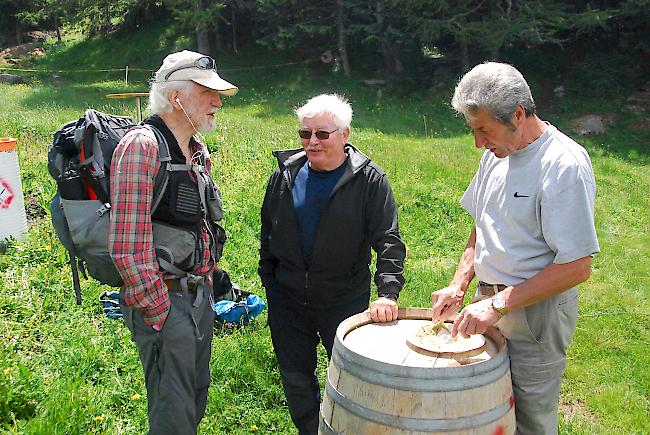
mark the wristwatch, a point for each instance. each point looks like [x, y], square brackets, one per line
[499, 304]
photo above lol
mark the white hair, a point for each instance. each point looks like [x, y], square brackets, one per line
[498, 88]
[159, 95]
[333, 105]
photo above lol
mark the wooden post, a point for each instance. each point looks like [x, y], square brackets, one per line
[345, 62]
[126, 75]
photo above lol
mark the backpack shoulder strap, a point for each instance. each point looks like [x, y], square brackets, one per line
[162, 177]
[166, 166]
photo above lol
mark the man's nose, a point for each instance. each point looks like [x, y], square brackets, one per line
[216, 101]
[479, 139]
[313, 139]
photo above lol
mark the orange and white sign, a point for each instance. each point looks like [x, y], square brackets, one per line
[6, 194]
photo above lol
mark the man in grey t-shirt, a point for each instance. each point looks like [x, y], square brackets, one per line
[532, 200]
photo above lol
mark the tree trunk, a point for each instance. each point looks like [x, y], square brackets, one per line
[342, 49]
[216, 29]
[392, 58]
[19, 33]
[202, 40]
[147, 15]
[494, 52]
[106, 26]
[58, 29]
[398, 67]
[464, 56]
[233, 24]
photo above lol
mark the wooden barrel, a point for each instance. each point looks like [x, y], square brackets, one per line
[377, 384]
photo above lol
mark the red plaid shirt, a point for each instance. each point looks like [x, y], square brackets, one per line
[133, 169]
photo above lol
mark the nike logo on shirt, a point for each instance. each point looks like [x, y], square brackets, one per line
[517, 195]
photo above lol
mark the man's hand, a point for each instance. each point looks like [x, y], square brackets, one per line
[159, 326]
[475, 319]
[446, 302]
[383, 310]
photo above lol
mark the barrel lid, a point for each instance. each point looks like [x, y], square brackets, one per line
[389, 343]
[385, 345]
[7, 144]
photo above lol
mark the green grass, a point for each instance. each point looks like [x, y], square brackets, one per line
[67, 369]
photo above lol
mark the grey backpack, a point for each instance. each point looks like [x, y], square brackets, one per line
[79, 159]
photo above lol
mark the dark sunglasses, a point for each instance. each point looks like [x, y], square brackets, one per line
[320, 134]
[205, 62]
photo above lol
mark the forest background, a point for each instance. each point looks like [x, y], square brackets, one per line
[407, 38]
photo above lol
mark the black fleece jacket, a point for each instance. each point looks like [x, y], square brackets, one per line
[361, 213]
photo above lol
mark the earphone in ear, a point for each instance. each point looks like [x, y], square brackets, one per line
[179, 103]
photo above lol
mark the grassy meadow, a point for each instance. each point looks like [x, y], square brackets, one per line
[66, 369]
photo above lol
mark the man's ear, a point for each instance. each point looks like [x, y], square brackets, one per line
[346, 134]
[520, 113]
[173, 99]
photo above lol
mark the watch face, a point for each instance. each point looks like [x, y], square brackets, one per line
[498, 303]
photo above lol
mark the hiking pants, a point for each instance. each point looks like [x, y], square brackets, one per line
[176, 360]
[295, 332]
[538, 337]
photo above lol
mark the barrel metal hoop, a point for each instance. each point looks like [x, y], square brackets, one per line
[433, 384]
[324, 427]
[420, 378]
[418, 424]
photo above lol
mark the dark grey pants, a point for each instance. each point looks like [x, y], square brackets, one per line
[295, 332]
[176, 360]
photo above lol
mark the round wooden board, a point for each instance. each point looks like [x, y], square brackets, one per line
[442, 342]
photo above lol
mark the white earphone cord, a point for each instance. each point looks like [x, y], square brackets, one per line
[191, 123]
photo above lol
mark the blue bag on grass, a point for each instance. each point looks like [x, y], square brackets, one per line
[232, 305]
[111, 304]
[240, 312]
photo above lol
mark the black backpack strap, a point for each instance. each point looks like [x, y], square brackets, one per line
[160, 185]
[92, 119]
[162, 177]
[92, 167]
[73, 265]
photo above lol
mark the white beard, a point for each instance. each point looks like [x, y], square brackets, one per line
[209, 125]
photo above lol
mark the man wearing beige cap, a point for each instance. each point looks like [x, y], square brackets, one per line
[166, 252]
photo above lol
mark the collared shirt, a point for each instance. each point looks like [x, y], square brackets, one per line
[133, 170]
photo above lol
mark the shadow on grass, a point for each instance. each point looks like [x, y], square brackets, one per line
[418, 115]
[391, 114]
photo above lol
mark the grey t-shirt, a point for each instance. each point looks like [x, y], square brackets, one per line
[532, 208]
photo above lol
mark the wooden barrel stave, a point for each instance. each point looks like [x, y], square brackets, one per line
[364, 396]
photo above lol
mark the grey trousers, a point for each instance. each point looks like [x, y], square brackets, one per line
[538, 337]
[176, 361]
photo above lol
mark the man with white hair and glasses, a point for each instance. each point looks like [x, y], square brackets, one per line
[325, 207]
[532, 200]
[166, 257]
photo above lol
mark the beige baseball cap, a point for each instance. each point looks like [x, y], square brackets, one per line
[192, 66]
